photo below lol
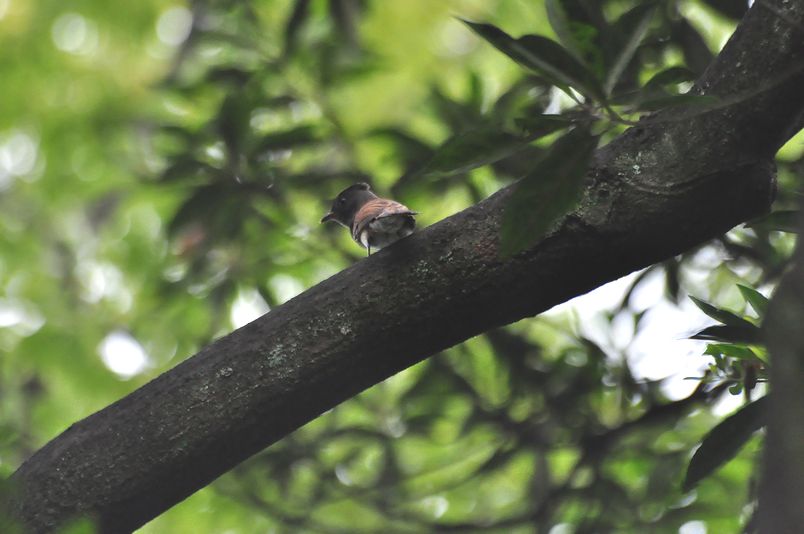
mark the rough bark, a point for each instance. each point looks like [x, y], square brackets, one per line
[663, 187]
[782, 487]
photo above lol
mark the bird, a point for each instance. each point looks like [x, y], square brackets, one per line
[373, 221]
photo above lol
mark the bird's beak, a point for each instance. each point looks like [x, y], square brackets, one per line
[328, 217]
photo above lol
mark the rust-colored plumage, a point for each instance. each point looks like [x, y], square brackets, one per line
[374, 222]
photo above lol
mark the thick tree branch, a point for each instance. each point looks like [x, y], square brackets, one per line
[656, 191]
[782, 487]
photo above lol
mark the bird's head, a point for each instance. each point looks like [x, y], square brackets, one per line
[347, 203]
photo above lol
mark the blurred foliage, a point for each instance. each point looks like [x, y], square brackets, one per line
[163, 167]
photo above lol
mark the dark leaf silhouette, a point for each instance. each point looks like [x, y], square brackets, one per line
[724, 441]
[544, 56]
[549, 191]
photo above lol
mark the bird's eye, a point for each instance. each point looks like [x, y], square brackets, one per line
[341, 201]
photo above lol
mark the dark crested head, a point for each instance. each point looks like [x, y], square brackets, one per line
[347, 203]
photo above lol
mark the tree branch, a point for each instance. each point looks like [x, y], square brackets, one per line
[782, 486]
[656, 191]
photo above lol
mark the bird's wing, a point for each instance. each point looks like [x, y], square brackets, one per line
[374, 209]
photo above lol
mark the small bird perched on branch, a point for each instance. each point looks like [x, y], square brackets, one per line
[374, 222]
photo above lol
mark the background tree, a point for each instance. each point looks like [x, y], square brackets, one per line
[144, 220]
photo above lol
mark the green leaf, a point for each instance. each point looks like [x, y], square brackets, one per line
[408, 146]
[730, 334]
[661, 91]
[548, 57]
[731, 350]
[686, 36]
[472, 149]
[780, 221]
[294, 23]
[724, 441]
[639, 18]
[540, 125]
[655, 104]
[233, 122]
[757, 300]
[579, 37]
[724, 316]
[188, 168]
[213, 205]
[235, 76]
[562, 26]
[670, 76]
[544, 56]
[548, 192]
[501, 40]
[301, 135]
